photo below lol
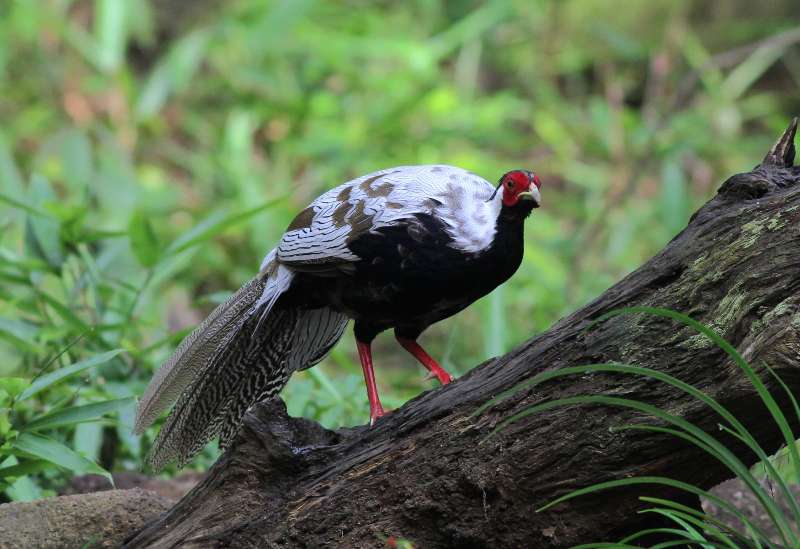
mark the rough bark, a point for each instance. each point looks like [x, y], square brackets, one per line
[426, 473]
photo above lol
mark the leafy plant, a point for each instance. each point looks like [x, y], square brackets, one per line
[691, 525]
[25, 446]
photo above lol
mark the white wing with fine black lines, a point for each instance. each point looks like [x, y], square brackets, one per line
[320, 234]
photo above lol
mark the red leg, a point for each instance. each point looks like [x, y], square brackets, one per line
[425, 359]
[375, 408]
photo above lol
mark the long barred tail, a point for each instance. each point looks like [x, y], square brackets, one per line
[242, 354]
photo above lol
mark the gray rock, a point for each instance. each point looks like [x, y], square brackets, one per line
[101, 519]
[174, 488]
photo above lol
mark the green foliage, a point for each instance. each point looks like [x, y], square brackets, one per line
[708, 532]
[151, 153]
[144, 241]
[23, 449]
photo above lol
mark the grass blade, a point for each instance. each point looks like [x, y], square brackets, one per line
[52, 378]
[110, 33]
[23, 469]
[611, 484]
[53, 451]
[721, 526]
[691, 433]
[78, 414]
[763, 393]
[143, 239]
[740, 431]
[214, 225]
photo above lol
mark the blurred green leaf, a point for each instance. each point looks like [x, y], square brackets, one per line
[109, 27]
[26, 468]
[10, 178]
[24, 488]
[494, 323]
[127, 414]
[22, 333]
[66, 156]
[77, 414]
[214, 225]
[144, 241]
[748, 72]
[172, 74]
[22, 205]
[674, 198]
[13, 386]
[43, 232]
[322, 378]
[55, 452]
[48, 380]
[68, 315]
[88, 439]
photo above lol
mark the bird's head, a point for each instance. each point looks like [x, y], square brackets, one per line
[520, 190]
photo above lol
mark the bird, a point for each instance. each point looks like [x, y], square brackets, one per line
[400, 248]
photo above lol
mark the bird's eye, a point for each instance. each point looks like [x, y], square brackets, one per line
[510, 183]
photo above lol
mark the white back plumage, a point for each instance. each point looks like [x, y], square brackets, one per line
[457, 197]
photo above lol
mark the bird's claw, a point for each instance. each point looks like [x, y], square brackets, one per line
[375, 414]
[443, 378]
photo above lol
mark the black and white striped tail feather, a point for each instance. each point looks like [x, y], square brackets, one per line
[255, 366]
[251, 360]
[244, 360]
[196, 351]
[304, 338]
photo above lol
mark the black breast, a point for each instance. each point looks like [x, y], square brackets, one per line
[410, 276]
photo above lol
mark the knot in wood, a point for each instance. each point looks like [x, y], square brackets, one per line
[273, 439]
[747, 186]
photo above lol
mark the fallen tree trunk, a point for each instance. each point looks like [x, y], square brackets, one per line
[426, 473]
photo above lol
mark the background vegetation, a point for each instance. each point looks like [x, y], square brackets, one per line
[151, 153]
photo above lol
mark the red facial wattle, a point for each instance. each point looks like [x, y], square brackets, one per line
[516, 183]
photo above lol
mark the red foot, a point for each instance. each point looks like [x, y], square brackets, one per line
[425, 359]
[374, 414]
[375, 407]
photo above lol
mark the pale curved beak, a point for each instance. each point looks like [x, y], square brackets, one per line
[532, 194]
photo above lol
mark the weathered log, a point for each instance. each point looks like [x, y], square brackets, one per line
[426, 473]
